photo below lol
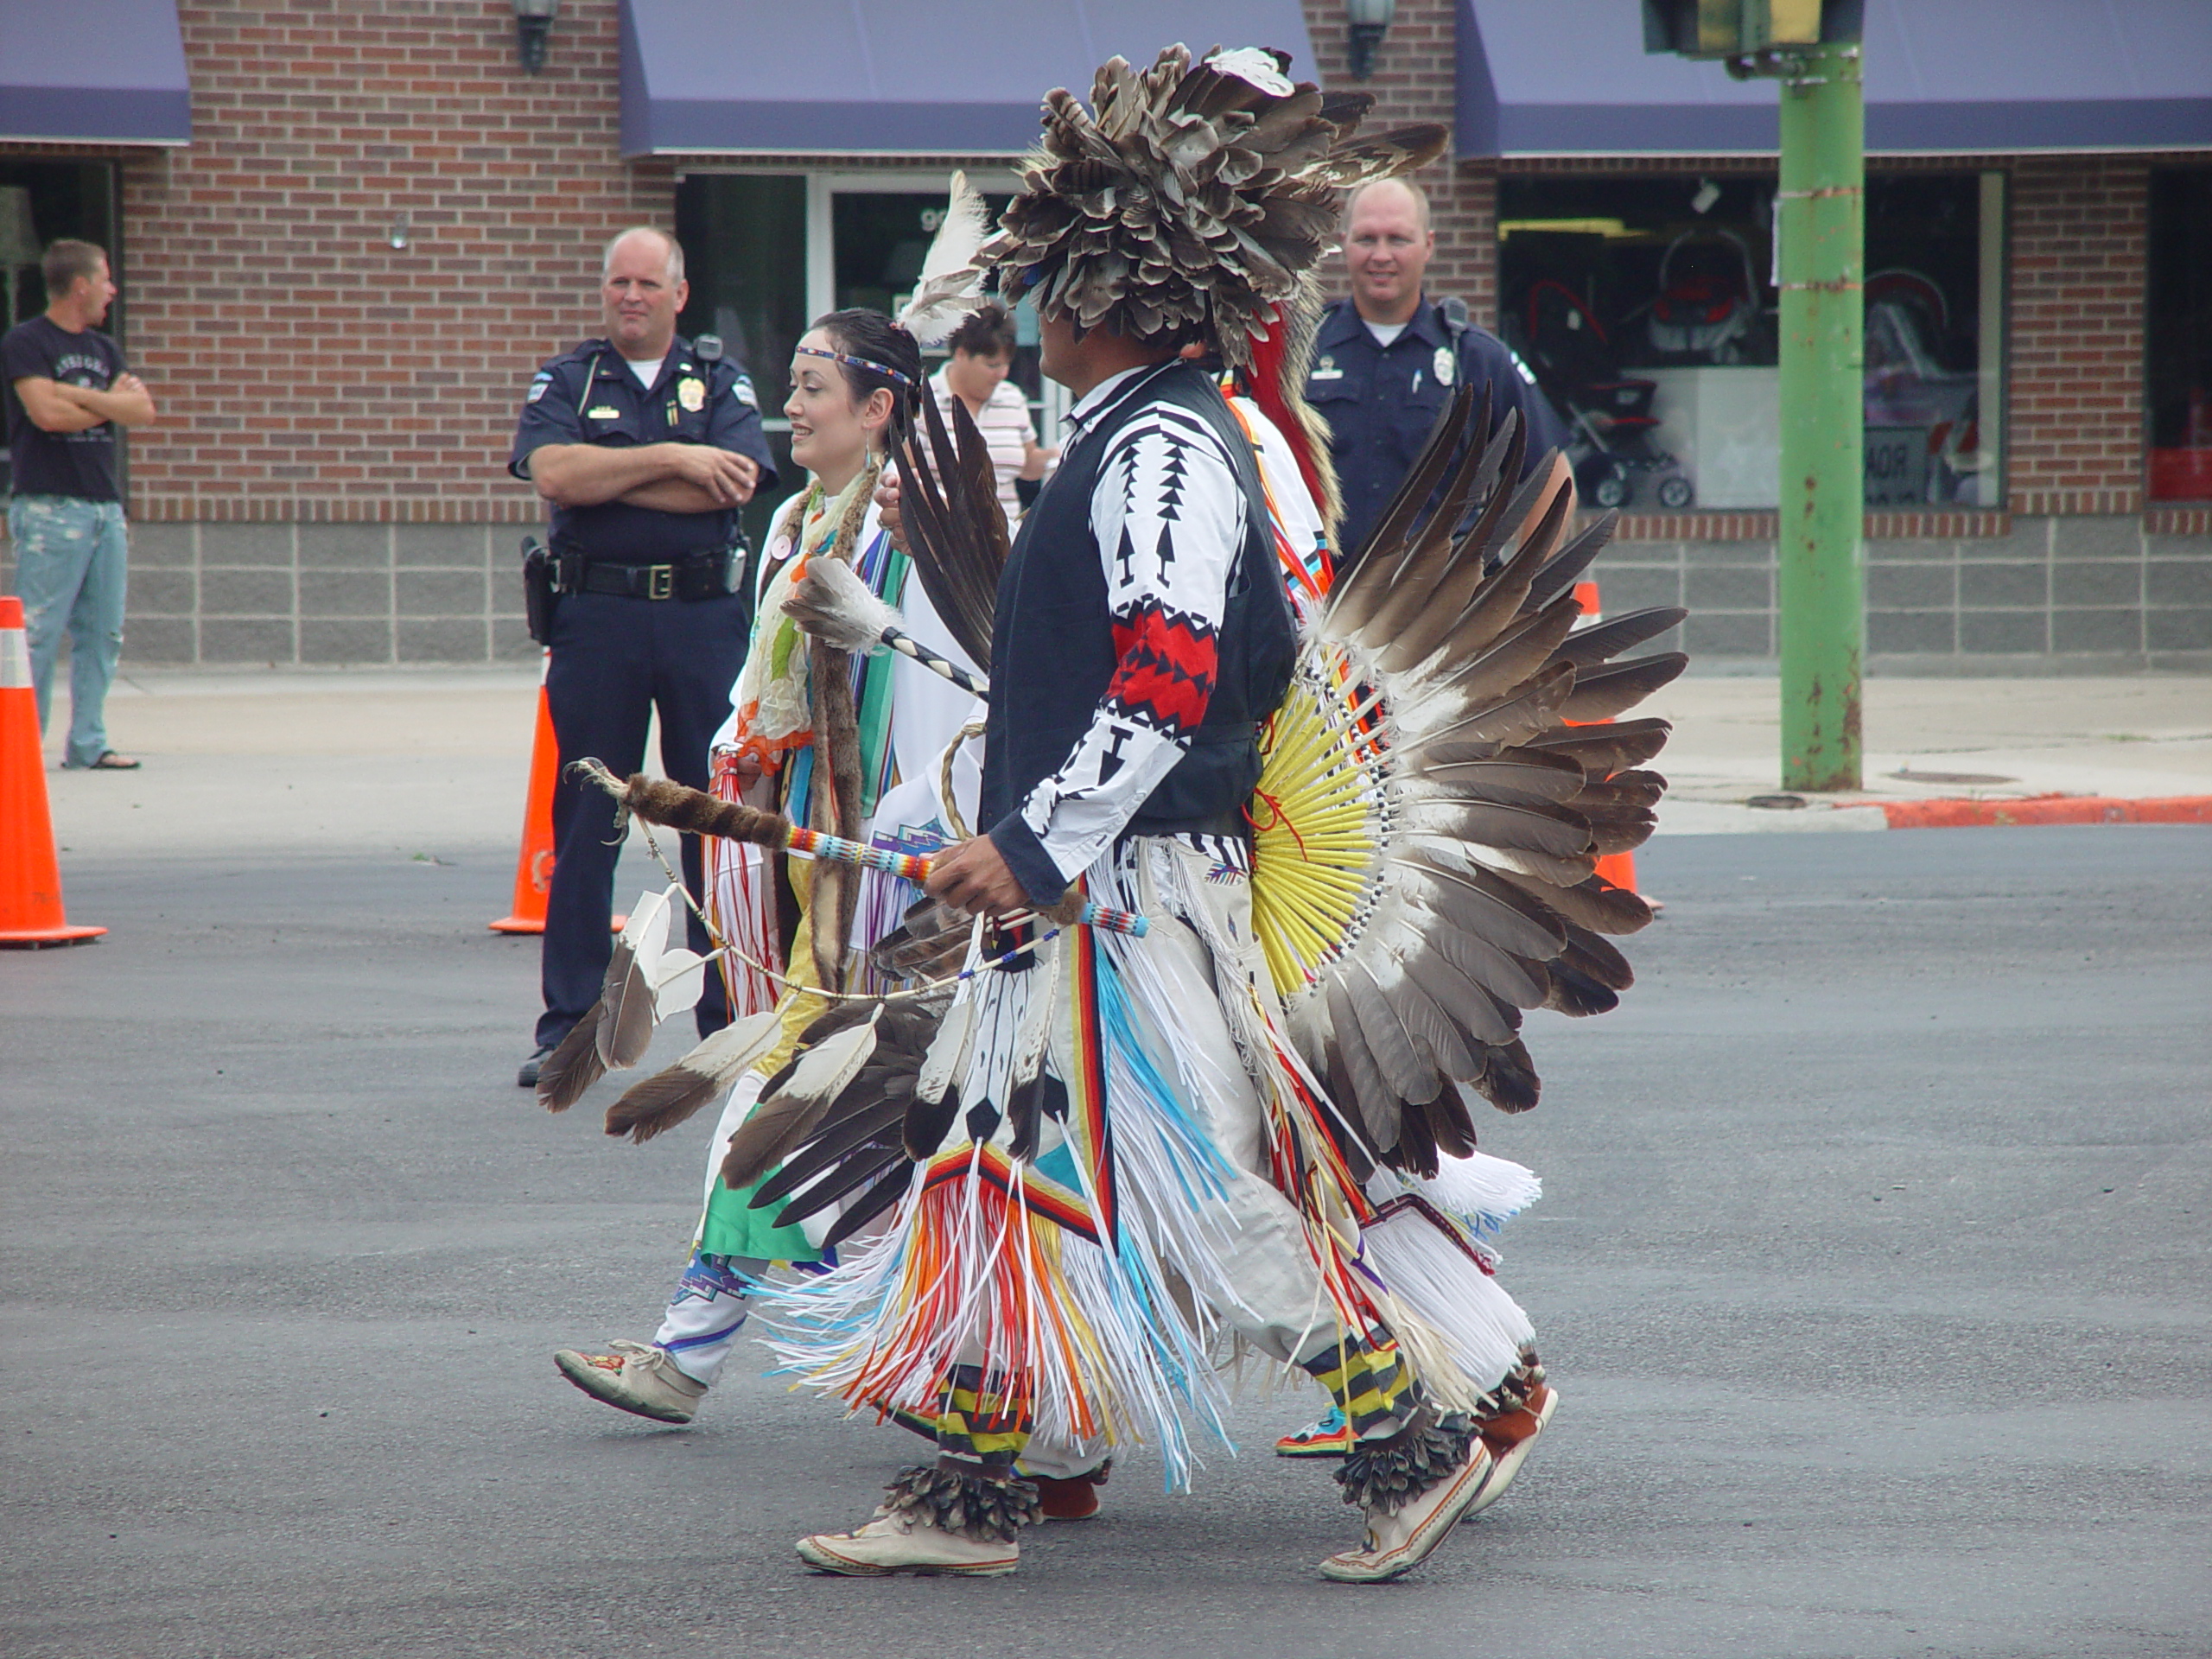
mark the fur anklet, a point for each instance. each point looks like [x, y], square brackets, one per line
[967, 1505]
[1387, 1475]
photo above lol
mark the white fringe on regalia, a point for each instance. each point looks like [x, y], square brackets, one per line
[1101, 1276]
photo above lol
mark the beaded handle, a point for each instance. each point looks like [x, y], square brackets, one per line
[813, 843]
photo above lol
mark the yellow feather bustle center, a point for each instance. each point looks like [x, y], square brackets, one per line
[1317, 824]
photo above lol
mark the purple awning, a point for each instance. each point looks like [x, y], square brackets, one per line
[1571, 78]
[93, 72]
[889, 77]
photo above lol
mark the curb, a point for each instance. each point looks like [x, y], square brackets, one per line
[2049, 809]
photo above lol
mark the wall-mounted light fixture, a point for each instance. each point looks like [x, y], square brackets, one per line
[533, 25]
[398, 236]
[1369, 21]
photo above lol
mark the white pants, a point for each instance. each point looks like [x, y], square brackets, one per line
[704, 1317]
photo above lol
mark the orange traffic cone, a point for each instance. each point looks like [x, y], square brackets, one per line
[534, 865]
[31, 871]
[1619, 868]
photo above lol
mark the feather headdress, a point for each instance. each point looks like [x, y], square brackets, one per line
[1190, 198]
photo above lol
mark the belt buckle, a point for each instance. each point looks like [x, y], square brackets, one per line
[660, 581]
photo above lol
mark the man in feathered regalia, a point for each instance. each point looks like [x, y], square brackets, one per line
[1063, 1174]
[1141, 637]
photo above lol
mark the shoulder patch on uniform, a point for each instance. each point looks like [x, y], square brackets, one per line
[537, 388]
[741, 389]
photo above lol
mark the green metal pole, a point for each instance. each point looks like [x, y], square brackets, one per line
[1820, 219]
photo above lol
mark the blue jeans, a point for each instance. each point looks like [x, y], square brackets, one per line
[70, 556]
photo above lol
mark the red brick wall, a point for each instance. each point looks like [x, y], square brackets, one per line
[2077, 363]
[305, 369]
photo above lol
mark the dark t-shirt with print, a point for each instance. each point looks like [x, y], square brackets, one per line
[40, 463]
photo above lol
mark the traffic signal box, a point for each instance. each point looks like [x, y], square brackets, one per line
[1736, 29]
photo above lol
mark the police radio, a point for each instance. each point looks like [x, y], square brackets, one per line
[736, 574]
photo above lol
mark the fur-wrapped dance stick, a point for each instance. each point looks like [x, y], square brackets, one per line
[695, 812]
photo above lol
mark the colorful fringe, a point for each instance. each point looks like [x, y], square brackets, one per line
[1057, 1285]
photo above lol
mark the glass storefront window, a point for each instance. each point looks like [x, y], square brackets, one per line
[1646, 307]
[767, 253]
[744, 239]
[879, 239]
[2178, 328]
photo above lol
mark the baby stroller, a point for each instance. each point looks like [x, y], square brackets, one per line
[1706, 308]
[1609, 414]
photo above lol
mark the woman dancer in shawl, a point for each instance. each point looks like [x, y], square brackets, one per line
[823, 736]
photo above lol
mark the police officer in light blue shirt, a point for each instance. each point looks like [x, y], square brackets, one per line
[1386, 361]
[646, 451]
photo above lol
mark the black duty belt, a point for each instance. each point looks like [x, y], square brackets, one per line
[696, 575]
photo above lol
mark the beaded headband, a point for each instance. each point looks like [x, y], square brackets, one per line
[852, 362]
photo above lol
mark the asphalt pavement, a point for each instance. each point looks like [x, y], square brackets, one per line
[1871, 1270]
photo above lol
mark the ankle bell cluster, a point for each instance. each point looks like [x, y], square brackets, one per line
[1386, 1475]
[1512, 1394]
[965, 1501]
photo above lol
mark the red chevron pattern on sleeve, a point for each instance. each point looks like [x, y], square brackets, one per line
[1169, 662]
[1168, 518]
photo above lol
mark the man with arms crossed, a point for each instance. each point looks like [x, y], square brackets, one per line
[644, 450]
[67, 391]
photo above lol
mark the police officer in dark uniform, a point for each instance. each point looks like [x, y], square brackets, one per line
[646, 451]
[1386, 361]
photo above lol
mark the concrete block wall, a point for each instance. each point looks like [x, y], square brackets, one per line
[333, 594]
[2082, 593]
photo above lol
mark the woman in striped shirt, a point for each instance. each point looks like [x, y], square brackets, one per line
[982, 352]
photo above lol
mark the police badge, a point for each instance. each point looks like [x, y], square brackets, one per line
[692, 394]
[1446, 366]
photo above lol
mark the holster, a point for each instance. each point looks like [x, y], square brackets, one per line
[541, 597]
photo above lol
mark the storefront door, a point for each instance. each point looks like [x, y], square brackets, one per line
[770, 252]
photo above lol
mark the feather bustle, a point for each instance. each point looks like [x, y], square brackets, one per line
[1595, 903]
[1603, 641]
[1601, 693]
[1604, 750]
[1407, 1070]
[1449, 610]
[668, 1097]
[573, 1066]
[1508, 1080]
[1557, 576]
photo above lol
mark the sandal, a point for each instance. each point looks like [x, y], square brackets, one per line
[110, 761]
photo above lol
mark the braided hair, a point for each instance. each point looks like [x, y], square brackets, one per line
[876, 353]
